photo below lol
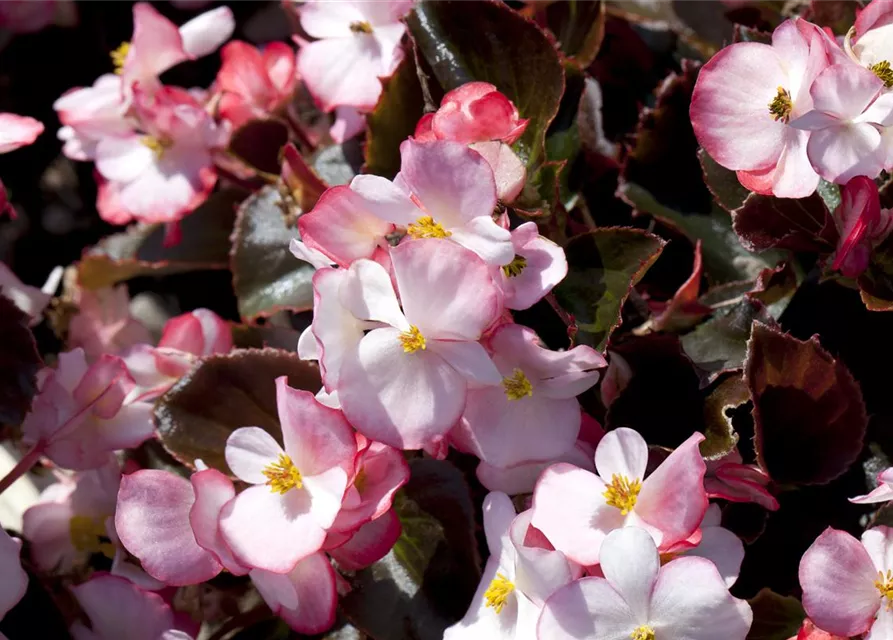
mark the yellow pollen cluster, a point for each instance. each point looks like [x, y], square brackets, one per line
[119, 55]
[498, 592]
[884, 584]
[283, 475]
[782, 106]
[517, 385]
[361, 26]
[413, 340]
[883, 71]
[87, 534]
[425, 227]
[623, 493]
[643, 633]
[157, 145]
[514, 268]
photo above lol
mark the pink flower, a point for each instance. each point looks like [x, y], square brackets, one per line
[117, 608]
[367, 545]
[517, 580]
[577, 509]
[474, 112]
[870, 42]
[539, 264]
[503, 424]
[104, 323]
[861, 224]
[89, 114]
[69, 522]
[17, 131]
[164, 171]
[15, 580]
[253, 83]
[305, 597]
[297, 491]
[729, 479]
[359, 42]
[640, 599]
[522, 477]
[30, 300]
[80, 415]
[717, 544]
[883, 492]
[850, 109]
[847, 586]
[349, 123]
[404, 382]
[744, 100]
[811, 632]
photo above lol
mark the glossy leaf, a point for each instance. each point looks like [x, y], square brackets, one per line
[766, 222]
[579, 28]
[722, 183]
[223, 393]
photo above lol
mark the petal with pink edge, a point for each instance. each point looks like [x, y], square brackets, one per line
[17, 131]
[119, 609]
[212, 491]
[369, 544]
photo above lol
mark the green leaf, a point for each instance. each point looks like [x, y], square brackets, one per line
[266, 277]
[809, 417]
[579, 28]
[223, 393]
[723, 183]
[603, 266]
[140, 250]
[394, 119]
[339, 163]
[775, 617]
[489, 42]
[19, 363]
[426, 582]
[830, 194]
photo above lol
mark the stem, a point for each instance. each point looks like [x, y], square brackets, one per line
[22, 467]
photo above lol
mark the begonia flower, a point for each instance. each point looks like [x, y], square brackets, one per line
[808, 631]
[848, 584]
[404, 383]
[305, 597]
[638, 598]
[366, 545]
[254, 83]
[80, 414]
[849, 110]
[744, 100]
[15, 580]
[522, 477]
[70, 521]
[504, 424]
[163, 171]
[17, 131]
[349, 123]
[717, 544]
[357, 43]
[882, 493]
[729, 479]
[577, 509]
[517, 580]
[861, 225]
[539, 264]
[30, 300]
[89, 114]
[297, 490]
[104, 323]
[116, 608]
[870, 41]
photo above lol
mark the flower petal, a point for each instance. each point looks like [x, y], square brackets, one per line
[622, 452]
[630, 563]
[204, 33]
[248, 451]
[589, 608]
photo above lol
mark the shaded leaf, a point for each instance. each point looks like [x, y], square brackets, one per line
[140, 250]
[266, 277]
[579, 28]
[258, 144]
[427, 580]
[488, 41]
[19, 363]
[223, 393]
[809, 417]
[723, 183]
[876, 282]
[303, 184]
[720, 434]
[775, 288]
[749, 34]
[838, 15]
[775, 617]
[339, 163]
[766, 222]
[603, 266]
[394, 119]
[247, 336]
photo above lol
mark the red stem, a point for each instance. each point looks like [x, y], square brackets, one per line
[22, 467]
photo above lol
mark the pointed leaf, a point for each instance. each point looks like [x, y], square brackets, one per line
[766, 222]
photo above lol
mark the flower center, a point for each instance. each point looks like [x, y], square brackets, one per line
[517, 385]
[283, 475]
[361, 26]
[89, 534]
[884, 584]
[412, 340]
[514, 268]
[643, 633]
[623, 494]
[119, 55]
[425, 227]
[883, 71]
[498, 592]
[157, 145]
[782, 106]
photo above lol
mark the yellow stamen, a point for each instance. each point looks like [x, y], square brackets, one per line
[425, 227]
[884, 584]
[498, 592]
[643, 633]
[883, 71]
[781, 106]
[361, 26]
[157, 145]
[87, 534]
[517, 385]
[283, 475]
[413, 340]
[623, 493]
[514, 268]
[119, 55]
